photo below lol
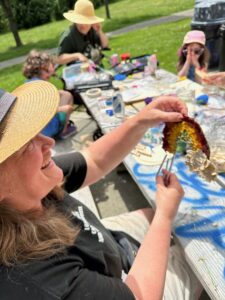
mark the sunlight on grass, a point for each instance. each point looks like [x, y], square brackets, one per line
[164, 40]
[123, 13]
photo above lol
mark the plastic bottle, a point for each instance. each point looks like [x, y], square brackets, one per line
[105, 106]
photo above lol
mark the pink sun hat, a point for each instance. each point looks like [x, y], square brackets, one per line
[194, 36]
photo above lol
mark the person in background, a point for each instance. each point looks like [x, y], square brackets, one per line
[51, 245]
[193, 55]
[85, 38]
[40, 66]
[217, 79]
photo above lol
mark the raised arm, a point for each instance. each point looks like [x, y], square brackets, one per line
[183, 71]
[146, 278]
[107, 152]
[103, 38]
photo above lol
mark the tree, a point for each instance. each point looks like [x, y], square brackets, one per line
[107, 9]
[7, 7]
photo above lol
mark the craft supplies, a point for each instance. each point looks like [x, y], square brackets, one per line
[202, 99]
[94, 93]
[114, 60]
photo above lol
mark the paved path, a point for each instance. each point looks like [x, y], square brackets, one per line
[172, 18]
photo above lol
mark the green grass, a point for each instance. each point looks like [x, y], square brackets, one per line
[164, 40]
[123, 13]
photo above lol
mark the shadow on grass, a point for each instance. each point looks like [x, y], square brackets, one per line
[13, 52]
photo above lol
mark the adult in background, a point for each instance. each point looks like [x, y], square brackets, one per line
[85, 38]
[51, 245]
[217, 79]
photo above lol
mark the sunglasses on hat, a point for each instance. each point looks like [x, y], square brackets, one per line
[196, 51]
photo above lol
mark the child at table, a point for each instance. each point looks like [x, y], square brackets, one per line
[40, 66]
[193, 55]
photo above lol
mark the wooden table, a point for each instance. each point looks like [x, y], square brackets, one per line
[200, 223]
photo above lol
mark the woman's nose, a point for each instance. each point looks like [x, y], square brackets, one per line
[47, 142]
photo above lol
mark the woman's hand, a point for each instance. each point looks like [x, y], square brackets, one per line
[216, 79]
[163, 109]
[168, 196]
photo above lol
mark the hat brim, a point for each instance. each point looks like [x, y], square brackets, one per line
[36, 104]
[80, 19]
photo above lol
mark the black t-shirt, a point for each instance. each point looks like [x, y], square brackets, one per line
[73, 41]
[90, 269]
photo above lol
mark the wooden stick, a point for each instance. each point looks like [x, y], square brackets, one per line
[220, 182]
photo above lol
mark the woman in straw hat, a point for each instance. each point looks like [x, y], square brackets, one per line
[85, 38]
[52, 246]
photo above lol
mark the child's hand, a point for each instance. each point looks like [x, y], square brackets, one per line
[194, 60]
[189, 56]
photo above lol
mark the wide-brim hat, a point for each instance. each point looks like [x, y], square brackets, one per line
[83, 13]
[35, 105]
[195, 36]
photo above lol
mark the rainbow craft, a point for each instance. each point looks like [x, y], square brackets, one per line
[187, 130]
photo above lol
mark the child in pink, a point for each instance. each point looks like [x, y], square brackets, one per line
[193, 55]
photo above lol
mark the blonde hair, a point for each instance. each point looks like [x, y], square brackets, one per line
[35, 62]
[33, 235]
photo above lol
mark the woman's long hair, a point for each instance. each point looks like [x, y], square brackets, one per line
[27, 236]
[203, 58]
[30, 235]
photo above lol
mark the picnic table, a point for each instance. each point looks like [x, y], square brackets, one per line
[200, 223]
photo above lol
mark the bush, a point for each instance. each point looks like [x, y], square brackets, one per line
[61, 6]
[3, 21]
[30, 13]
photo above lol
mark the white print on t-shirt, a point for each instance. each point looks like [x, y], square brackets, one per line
[87, 226]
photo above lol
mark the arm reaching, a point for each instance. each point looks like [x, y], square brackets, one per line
[107, 152]
[146, 278]
[216, 79]
[70, 57]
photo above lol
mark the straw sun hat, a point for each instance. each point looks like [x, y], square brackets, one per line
[83, 13]
[24, 113]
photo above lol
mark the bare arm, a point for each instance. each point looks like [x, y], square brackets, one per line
[66, 58]
[103, 38]
[107, 152]
[146, 278]
[184, 70]
[216, 79]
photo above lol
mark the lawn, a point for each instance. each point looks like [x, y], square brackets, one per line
[164, 40]
[123, 13]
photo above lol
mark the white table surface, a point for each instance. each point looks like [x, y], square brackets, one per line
[200, 222]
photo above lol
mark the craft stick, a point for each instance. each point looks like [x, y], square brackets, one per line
[220, 182]
[160, 167]
[171, 163]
